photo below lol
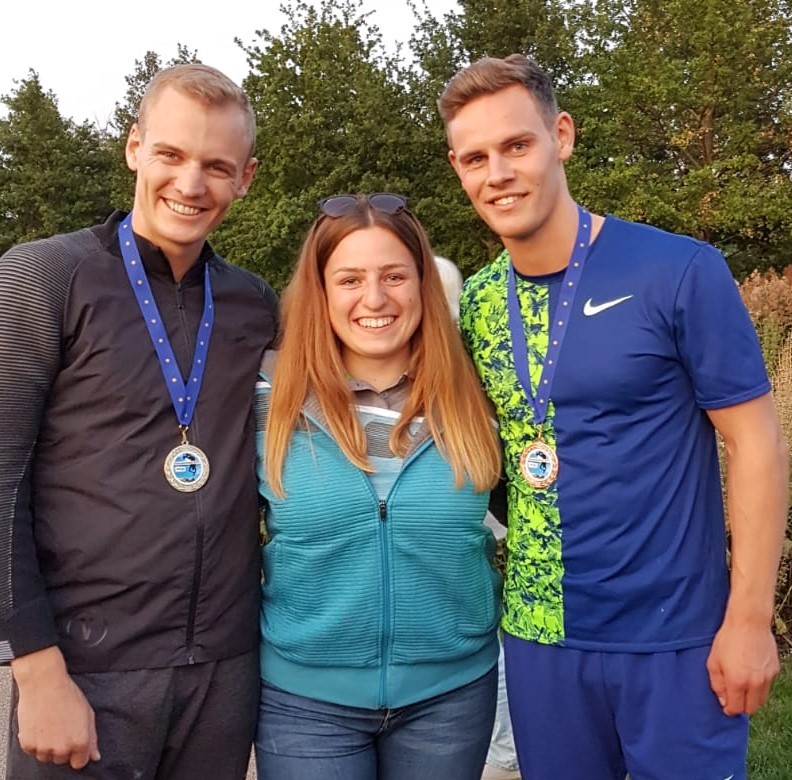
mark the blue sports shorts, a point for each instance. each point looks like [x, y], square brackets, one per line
[589, 715]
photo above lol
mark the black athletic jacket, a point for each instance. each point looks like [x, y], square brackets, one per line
[98, 553]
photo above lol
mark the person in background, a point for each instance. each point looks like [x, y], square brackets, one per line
[501, 763]
[377, 453]
[451, 279]
[128, 508]
[613, 353]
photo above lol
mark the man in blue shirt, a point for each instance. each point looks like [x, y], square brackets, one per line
[612, 353]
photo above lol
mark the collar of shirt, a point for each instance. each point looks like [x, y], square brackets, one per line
[154, 261]
[393, 397]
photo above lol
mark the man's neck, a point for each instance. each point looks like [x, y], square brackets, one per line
[548, 250]
[181, 257]
[181, 263]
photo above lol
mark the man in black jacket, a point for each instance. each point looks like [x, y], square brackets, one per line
[128, 514]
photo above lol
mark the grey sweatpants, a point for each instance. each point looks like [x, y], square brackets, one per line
[183, 723]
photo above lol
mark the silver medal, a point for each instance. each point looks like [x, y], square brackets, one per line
[187, 468]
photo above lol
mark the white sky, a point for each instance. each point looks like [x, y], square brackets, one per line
[83, 50]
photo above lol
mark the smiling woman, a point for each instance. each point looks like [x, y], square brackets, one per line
[374, 304]
[371, 426]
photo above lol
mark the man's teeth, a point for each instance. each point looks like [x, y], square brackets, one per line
[180, 208]
[506, 201]
[379, 322]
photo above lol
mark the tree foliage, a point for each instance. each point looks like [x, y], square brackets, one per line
[332, 118]
[686, 119]
[537, 28]
[53, 172]
[683, 115]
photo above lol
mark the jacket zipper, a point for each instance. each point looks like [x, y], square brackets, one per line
[382, 509]
[386, 637]
[199, 530]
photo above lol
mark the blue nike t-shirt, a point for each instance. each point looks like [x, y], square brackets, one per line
[625, 551]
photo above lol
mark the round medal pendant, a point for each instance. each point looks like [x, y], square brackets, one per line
[187, 468]
[539, 464]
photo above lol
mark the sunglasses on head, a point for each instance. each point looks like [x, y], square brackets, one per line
[341, 205]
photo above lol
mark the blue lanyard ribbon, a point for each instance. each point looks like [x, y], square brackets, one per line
[559, 322]
[184, 397]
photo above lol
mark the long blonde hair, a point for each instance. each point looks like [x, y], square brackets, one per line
[445, 387]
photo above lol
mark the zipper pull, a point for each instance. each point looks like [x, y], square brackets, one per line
[383, 511]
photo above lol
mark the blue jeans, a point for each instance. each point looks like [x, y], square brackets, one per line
[446, 736]
[502, 752]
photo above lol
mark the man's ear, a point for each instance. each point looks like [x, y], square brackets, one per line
[247, 177]
[565, 135]
[132, 145]
[452, 158]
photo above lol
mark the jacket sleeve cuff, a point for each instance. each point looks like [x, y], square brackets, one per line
[28, 629]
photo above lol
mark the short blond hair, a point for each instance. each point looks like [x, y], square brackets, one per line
[203, 83]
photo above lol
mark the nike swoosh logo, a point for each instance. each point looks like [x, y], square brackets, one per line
[590, 308]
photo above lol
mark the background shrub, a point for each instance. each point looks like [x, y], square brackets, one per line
[768, 297]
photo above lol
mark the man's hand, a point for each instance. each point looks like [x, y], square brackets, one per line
[742, 665]
[56, 723]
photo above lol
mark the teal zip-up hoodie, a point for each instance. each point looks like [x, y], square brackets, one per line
[367, 602]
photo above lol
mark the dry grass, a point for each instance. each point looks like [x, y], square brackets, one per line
[768, 297]
[782, 391]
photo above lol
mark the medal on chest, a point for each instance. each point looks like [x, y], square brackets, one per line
[539, 463]
[186, 466]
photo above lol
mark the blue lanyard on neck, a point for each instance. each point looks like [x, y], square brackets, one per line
[558, 326]
[184, 396]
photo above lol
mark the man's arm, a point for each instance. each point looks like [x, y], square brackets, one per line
[31, 312]
[55, 720]
[743, 661]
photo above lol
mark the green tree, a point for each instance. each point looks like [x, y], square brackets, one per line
[53, 172]
[497, 28]
[453, 227]
[332, 117]
[685, 119]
